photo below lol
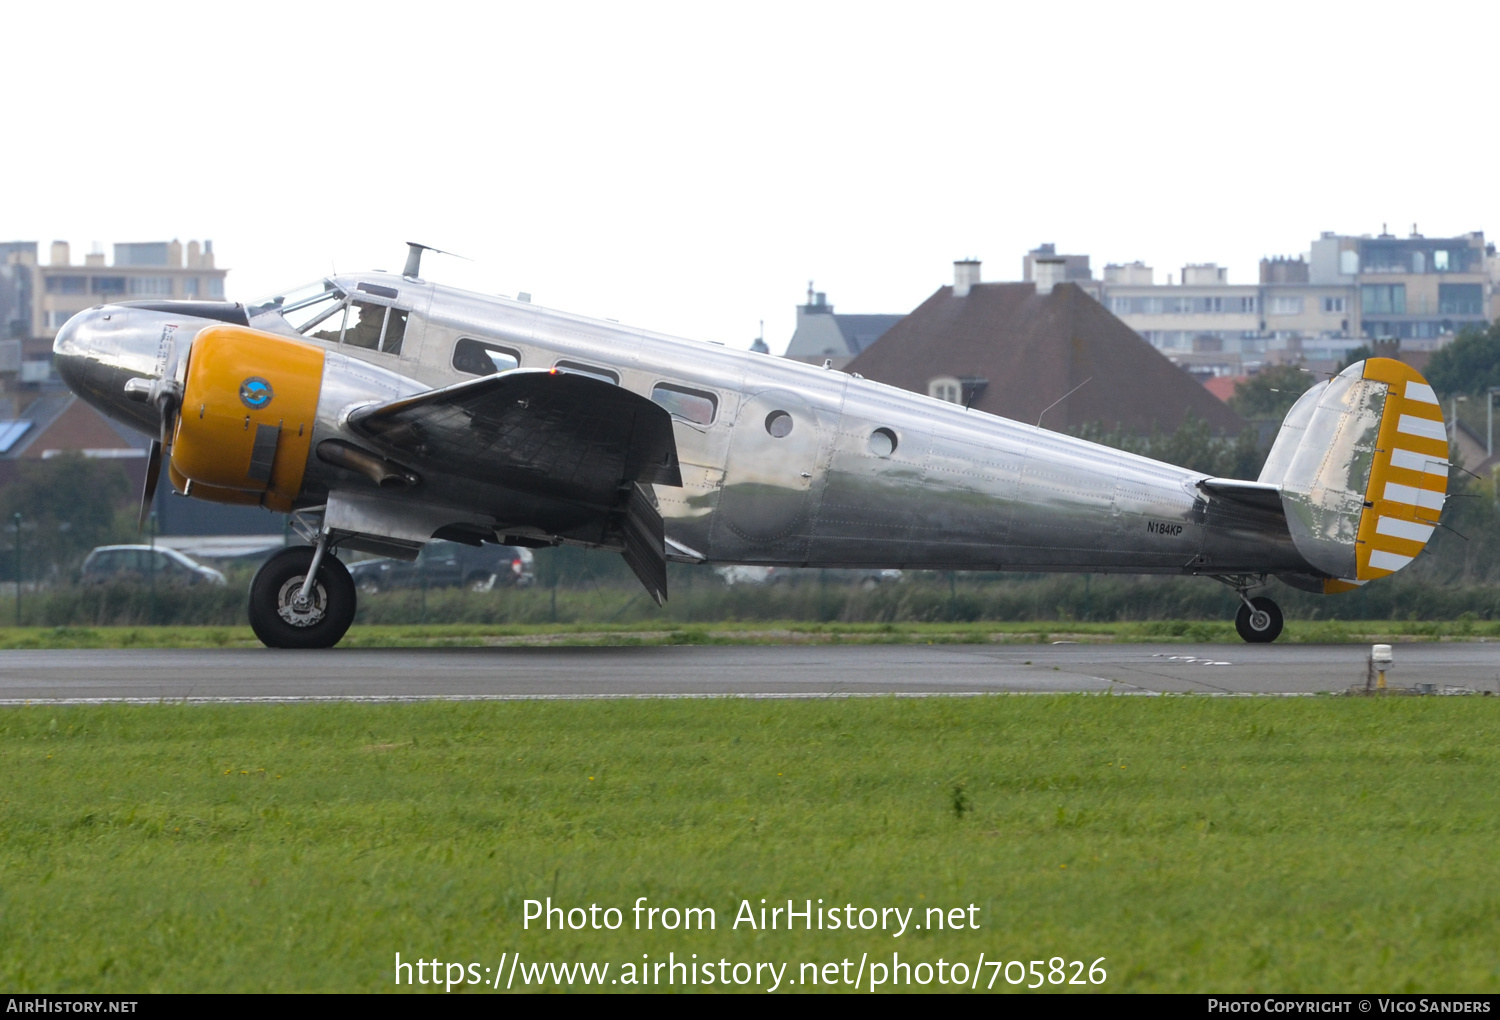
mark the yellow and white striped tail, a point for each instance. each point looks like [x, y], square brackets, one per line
[1408, 476]
[1361, 463]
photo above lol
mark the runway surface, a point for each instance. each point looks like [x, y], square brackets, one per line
[757, 671]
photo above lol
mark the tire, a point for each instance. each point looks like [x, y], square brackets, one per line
[480, 581]
[1261, 626]
[274, 619]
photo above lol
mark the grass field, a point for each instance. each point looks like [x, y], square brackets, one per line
[775, 632]
[1194, 843]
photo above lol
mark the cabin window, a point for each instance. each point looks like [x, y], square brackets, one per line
[375, 327]
[882, 442]
[602, 374]
[329, 325]
[779, 424]
[690, 405]
[475, 357]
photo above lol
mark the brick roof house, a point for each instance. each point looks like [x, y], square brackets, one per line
[1028, 352]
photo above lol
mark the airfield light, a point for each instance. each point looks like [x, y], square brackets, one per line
[1380, 656]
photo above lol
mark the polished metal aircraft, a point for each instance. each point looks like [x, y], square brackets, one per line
[382, 411]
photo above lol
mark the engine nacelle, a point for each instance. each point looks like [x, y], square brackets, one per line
[248, 407]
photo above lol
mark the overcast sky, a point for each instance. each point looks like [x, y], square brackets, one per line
[688, 168]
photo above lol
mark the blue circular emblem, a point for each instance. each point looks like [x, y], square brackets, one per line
[256, 393]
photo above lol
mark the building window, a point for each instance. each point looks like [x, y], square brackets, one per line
[156, 286]
[1383, 299]
[1248, 305]
[56, 318]
[1333, 304]
[1460, 299]
[1285, 305]
[190, 286]
[1440, 261]
[216, 288]
[107, 284]
[946, 388]
[1349, 263]
[67, 285]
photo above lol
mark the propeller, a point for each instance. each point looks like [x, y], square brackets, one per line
[165, 393]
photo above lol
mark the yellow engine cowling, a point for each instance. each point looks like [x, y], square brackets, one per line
[246, 424]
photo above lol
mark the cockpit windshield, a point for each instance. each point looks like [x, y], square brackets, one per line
[303, 307]
[324, 311]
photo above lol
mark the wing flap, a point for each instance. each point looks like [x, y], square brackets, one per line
[552, 433]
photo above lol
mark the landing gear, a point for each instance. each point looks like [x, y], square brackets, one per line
[286, 612]
[1259, 620]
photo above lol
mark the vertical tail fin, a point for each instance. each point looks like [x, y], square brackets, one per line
[1362, 462]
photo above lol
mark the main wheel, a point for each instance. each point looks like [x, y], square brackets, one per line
[1260, 624]
[280, 621]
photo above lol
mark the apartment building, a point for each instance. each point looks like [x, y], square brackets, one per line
[1409, 288]
[36, 299]
[1346, 292]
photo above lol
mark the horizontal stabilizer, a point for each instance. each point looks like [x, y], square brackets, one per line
[556, 434]
[1261, 495]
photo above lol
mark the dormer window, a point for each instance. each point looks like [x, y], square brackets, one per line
[947, 388]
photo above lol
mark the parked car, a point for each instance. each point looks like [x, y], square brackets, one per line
[142, 563]
[449, 565]
[745, 574]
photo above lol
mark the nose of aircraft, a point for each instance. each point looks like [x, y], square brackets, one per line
[67, 350]
[97, 351]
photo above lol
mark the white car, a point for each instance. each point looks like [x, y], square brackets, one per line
[110, 563]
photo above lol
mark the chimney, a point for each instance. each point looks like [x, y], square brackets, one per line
[1049, 272]
[194, 255]
[61, 256]
[174, 253]
[965, 276]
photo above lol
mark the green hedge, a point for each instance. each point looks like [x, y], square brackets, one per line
[698, 596]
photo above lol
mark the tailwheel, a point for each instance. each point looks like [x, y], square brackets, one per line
[283, 618]
[1259, 620]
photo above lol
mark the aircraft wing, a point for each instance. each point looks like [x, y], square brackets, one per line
[552, 433]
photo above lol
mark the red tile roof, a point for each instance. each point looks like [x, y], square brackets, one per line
[1222, 386]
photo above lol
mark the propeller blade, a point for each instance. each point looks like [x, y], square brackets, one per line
[148, 492]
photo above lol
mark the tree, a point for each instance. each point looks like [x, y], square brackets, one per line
[1193, 446]
[68, 504]
[1359, 353]
[1470, 364]
[1271, 392]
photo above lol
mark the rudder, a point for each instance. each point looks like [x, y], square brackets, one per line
[1362, 464]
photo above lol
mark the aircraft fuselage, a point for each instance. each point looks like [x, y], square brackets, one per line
[785, 464]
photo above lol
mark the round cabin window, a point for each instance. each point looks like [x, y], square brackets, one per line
[779, 424]
[882, 442]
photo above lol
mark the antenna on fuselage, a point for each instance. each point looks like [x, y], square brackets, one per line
[1060, 399]
[414, 251]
